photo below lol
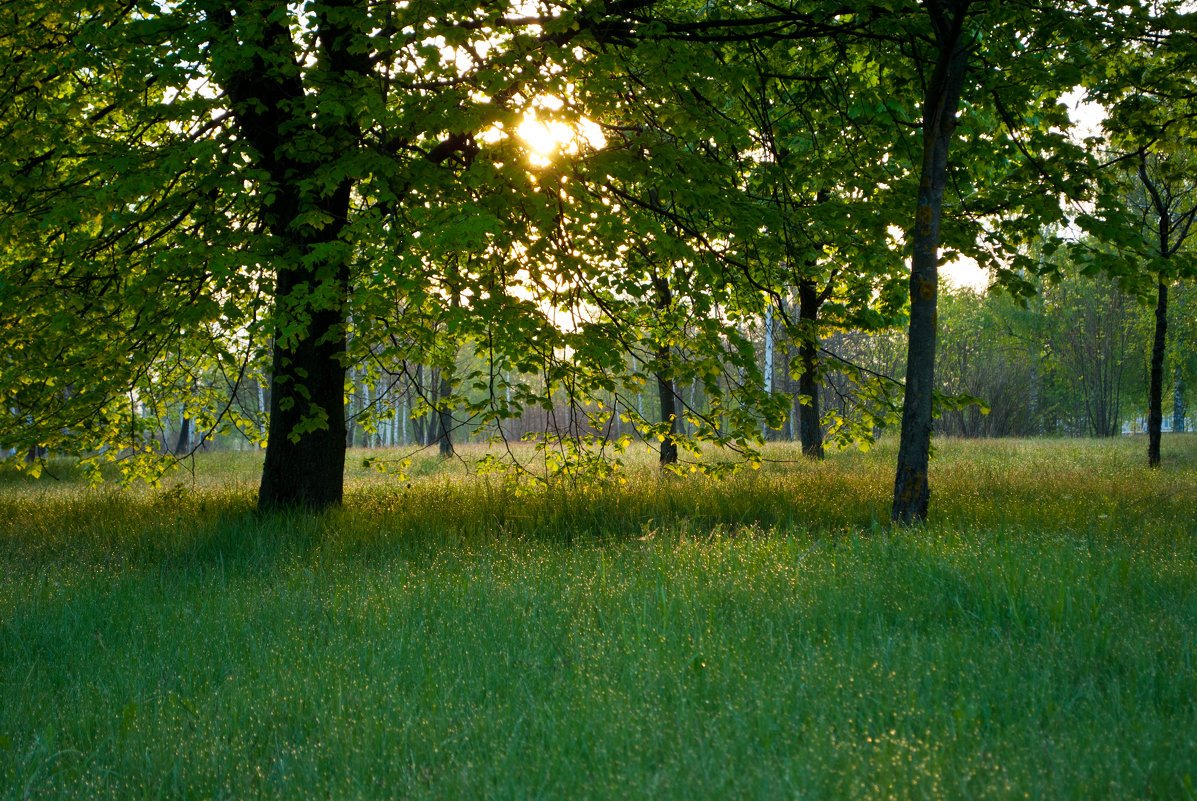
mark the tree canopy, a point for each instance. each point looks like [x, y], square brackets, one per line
[282, 193]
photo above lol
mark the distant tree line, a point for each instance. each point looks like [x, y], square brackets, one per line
[1071, 360]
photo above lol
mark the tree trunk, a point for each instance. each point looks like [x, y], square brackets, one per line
[942, 98]
[183, 444]
[355, 410]
[810, 420]
[693, 404]
[665, 389]
[444, 418]
[406, 414]
[434, 382]
[795, 411]
[1163, 202]
[395, 419]
[419, 424]
[261, 412]
[1155, 398]
[305, 450]
[668, 405]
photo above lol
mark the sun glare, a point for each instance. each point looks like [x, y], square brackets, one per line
[547, 138]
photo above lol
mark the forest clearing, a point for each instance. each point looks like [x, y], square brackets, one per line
[584, 399]
[766, 635]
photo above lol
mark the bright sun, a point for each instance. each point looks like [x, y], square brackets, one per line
[545, 138]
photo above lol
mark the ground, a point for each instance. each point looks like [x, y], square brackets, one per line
[764, 636]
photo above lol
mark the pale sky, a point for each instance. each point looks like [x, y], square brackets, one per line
[1087, 118]
[965, 274]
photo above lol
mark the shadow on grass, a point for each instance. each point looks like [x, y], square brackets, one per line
[1067, 488]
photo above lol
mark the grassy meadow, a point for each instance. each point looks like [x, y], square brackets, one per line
[765, 636]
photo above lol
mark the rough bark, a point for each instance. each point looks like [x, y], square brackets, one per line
[305, 451]
[941, 100]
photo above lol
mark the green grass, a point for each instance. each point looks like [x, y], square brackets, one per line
[767, 636]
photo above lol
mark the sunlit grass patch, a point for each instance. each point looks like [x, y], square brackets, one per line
[762, 636]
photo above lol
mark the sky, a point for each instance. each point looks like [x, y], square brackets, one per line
[965, 274]
[1087, 117]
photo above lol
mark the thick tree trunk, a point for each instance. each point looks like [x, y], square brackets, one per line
[305, 451]
[810, 425]
[1155, 398]
[911, 491]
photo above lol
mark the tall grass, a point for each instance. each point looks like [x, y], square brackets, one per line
[764, 636]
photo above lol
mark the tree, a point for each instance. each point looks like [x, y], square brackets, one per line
[941, 98]
[268, 159]
[1031, 55]
[298, 174]
[1008, 65]
[1147, 210]
[1009, 175]
[1170, 192]
[1091, 327]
